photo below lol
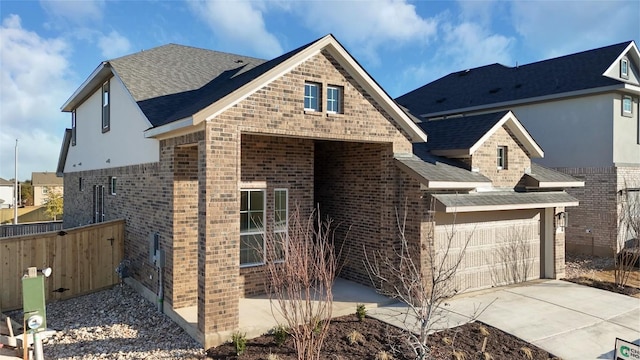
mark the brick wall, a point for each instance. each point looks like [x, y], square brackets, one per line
[279, 163]
[485, 159]
[593, 224]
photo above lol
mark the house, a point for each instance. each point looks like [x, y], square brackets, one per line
[43, 183]
[200, 151]
[582, 109]
[6, 193]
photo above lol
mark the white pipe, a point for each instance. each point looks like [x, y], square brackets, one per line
[15, 189]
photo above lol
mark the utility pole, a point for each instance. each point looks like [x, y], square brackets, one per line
[15, 178]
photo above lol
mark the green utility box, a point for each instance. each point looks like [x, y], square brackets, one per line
[33, 300]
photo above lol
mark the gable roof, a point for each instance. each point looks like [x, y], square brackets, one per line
[4, 182]
[46, 179]
[178, 86]
[462, 136]
[496, 83]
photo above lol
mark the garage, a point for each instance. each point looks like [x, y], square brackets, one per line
[502, 247]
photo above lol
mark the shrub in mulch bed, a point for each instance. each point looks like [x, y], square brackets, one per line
[380, 337]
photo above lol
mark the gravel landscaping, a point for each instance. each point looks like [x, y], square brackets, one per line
[114, 324]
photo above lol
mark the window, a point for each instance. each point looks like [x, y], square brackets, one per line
[106, 100]
[627, 105]
[502, 157]
[281, 220]
[80, 184]
[252, 210]
[45, 190]
[624, 68]
[73, 128]
[334, 99]
[98, 203]
[311, 96]
[112, 185]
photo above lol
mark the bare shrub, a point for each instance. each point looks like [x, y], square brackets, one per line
[300, 287]
[355, 338]
[420, 276]
[383, 355]
[627, 251]
[514, 258]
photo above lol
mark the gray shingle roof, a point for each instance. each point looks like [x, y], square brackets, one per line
[458, 133]
[171, 82]
[46, 179]
[541, 175]
[504, 200]
[437, 169]
[4, 182]
[497, 83]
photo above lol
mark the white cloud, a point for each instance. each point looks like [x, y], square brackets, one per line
[78, 12]
[114, 45]
[368, 25]
[239, 24]
[558, 28]
[32, 88]
[469, 45]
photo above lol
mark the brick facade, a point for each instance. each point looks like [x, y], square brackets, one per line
[517, 160]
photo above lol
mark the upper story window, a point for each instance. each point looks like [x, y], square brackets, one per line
[627, 105]
[502, 157]
[252, 229]
[113, 182]
[624, 68]
[106, 104]
[312, 96]
[334, 99]
[73, 128]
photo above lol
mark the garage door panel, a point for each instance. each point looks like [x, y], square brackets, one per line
[498, 252]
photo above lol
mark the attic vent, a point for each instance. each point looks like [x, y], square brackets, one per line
[518, 86]
[239, 61]
[464, 73]
[494, 90]
[441, 100]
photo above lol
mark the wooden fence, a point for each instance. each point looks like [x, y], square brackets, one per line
[83, 260]
[29, 228]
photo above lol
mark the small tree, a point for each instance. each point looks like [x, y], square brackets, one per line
[300, 287]
[422, 285]
[627, 252]
[27, 193]
[54, 203]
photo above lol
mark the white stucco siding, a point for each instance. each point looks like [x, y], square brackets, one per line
[626, 150]
[124, 144]
[6, 196]
[574, 132]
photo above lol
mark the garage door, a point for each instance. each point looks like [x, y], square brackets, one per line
[502, 248]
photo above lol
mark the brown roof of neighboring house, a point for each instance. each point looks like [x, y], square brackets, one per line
[46, 179]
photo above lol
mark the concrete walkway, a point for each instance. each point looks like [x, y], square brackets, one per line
[568, 320]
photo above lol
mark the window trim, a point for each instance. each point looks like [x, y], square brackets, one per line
[106, 107]
[624, 111]
[73, 127]
[339, 91]
[624, 69]
[113, 185]
[286, 225]
[501, 157]
[318, 97]
[262, 229]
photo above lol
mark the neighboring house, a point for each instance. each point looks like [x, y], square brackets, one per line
[201, 152]
[581, 108]
[6, 193]
[43, 183]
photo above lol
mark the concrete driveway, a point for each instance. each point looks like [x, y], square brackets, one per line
[568, 320]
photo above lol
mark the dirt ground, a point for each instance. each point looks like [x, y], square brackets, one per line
[466, 341]
[599, 272]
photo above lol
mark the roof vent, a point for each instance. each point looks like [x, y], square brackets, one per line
[494, 90]
[518, 86]
[464, 73]
[239, 61]
[441, 100]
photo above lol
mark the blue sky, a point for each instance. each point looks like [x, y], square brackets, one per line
[48, 48]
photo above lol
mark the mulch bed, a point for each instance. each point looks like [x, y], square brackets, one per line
[380, 337]
[605, 285]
